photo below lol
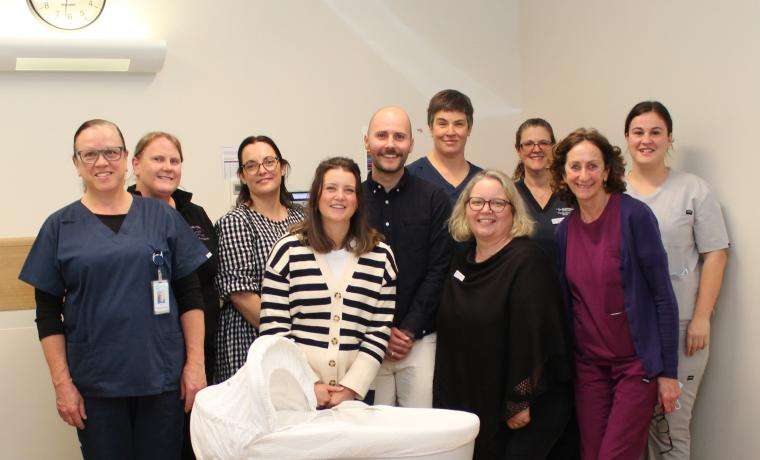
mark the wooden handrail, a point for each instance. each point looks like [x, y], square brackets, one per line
[14, 293]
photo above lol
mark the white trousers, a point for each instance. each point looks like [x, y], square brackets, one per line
[690, 371]
[408, 382]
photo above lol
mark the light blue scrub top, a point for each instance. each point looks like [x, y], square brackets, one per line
[115, 345]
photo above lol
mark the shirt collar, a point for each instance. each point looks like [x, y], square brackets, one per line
[375, 186]
[181, 197]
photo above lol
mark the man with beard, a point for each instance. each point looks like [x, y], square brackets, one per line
[412, 214]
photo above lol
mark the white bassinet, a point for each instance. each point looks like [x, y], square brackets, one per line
[267, 410]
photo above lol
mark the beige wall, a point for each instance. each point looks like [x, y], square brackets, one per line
[586, 63]
[309, 73]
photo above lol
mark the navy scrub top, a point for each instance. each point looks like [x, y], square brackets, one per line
[115, 345]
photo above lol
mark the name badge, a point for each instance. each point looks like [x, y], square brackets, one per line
[458, 275]
[160, 287]
[160, 297]
[557, 220]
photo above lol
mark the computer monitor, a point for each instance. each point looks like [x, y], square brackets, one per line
[301, 198]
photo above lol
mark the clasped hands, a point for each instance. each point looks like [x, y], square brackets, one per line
[331, 395]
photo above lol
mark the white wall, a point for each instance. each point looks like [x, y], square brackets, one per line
[309, 73]
[586, 63]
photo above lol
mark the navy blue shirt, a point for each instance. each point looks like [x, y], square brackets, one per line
[424, 169]
[412, 216]
[547, 218]
[115, 345]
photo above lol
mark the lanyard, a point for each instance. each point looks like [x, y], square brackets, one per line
[158, 260]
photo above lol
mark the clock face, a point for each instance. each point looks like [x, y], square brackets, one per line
[68, 14]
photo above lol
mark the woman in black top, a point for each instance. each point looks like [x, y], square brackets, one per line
[501, 341]
[157, 165]
[533, 143]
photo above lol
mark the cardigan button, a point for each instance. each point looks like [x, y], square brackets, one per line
[333, 382]
[336, 318]
[337, 295]
[334, 341]
[332, 363]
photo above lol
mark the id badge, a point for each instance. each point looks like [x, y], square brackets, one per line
[160, 297]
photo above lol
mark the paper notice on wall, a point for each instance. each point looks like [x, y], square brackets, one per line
[229, 163]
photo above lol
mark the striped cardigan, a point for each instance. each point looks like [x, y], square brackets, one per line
[342, 325]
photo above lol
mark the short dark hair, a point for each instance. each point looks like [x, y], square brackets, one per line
[450, 100]
[649, 106]
[611, 155]
[529, 123]
[95, 122]
[360, 238]
[245, 193]
[147, 139]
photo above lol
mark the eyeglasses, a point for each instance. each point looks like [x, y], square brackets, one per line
[496, 205]
[110, 154]
[663, 428]
[268, 163]
[542, 144]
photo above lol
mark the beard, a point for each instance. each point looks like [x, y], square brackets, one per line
[378, 166]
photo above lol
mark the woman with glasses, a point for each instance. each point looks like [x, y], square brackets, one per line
[119, 308]
[157, 166]
[331, 287]
[264, 213]
[533, 142]
[695, 238]
[502, 349]
[614, 273]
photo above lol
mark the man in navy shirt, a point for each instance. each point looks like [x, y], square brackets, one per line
[411, 213]
[450, 121]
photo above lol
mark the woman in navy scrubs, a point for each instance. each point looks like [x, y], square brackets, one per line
[119, 270]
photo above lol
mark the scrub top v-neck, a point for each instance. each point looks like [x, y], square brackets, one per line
[115, 344]
[547, 218]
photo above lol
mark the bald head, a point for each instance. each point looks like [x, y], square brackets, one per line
[390, 115]
[388, 142]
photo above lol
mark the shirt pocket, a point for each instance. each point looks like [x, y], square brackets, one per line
[677, 228]
[414, 235]
[161, 247]
[678, 237]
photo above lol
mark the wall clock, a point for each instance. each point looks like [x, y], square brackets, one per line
[67, 14]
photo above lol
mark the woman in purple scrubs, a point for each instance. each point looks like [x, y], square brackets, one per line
[623, 313]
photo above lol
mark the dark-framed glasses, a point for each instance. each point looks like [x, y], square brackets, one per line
[542, 144]
[496, 205]
[663, 430]
[110, 154]
[268, 163]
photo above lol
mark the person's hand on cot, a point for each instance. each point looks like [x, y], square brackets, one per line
[344, 394]
[323, 393]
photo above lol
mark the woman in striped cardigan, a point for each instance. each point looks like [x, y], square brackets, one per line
[330, 285]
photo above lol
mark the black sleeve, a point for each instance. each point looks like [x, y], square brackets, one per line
[187, 291]
[537, 354]
[424, 305]
[49, 314]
